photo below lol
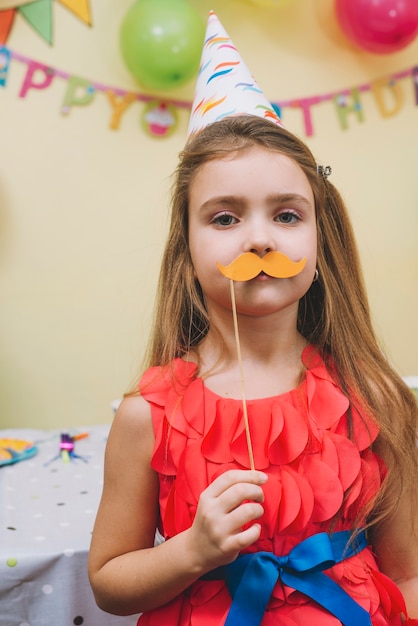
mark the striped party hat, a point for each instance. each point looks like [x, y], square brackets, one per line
[225, 86]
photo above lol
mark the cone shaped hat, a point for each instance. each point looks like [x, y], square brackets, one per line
[225, 87]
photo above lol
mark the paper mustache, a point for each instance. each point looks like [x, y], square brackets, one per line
[249, 265]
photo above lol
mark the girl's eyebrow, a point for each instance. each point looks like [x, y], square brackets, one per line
[239, 201]
[222, 201]
[289, 198]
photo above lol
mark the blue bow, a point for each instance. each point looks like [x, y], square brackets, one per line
[251, 579]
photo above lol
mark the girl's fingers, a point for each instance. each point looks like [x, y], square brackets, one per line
[226, 515]
[232, 489]
[237, 495]
[244, 514]
[248, 536]
[233, 477]
[237, 505]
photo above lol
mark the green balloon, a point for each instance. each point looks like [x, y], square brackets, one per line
[161, 42]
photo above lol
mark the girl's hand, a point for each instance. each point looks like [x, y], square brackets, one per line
[222, 526]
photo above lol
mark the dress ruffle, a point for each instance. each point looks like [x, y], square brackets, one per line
[318, 475]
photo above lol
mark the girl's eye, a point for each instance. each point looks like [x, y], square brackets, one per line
[287, 217]
[225, 219]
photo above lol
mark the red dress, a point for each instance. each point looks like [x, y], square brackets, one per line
[316, 471]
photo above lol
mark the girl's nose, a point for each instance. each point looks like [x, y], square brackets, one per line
[260, 239]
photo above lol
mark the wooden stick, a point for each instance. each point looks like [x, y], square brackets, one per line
[241, 370]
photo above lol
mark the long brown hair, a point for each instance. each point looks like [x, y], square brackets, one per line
[334, 314]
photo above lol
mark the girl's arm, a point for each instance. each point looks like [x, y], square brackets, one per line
[397, 548]
[127, 573]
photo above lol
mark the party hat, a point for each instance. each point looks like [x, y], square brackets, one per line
[225, 86]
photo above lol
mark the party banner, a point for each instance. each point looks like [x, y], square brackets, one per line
[39, 15]
[159, 116]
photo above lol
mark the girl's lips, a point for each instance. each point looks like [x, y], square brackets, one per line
[262, 277]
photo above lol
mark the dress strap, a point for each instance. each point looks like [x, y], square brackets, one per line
[251, 578]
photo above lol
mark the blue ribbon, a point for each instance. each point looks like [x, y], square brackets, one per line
[251, 579]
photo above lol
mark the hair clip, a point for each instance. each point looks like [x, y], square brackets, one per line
[324, 170]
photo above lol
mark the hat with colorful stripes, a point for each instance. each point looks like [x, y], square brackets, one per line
[225, 86]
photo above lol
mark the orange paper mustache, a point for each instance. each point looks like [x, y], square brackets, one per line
[249, 265]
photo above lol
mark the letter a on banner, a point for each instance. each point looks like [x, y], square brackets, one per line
[346, 104]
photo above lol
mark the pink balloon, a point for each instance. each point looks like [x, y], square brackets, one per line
[380, 26]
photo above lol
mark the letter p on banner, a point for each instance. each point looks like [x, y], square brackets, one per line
[35, 71]
[79, 93]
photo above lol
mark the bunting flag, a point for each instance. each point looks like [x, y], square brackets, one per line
[6, 22]
[159, 116]
[39, 15]
[80, 8]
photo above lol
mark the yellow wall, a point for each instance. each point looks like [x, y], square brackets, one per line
[84, 209]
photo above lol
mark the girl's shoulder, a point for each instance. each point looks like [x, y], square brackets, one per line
[158, 380]
[133, 416]
[130, 441]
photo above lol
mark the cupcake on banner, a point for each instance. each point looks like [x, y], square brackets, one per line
[159, 119]
[225, 87]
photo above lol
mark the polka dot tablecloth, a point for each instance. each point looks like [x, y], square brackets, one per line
[47, 515]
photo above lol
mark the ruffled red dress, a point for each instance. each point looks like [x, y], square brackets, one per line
[322, 474]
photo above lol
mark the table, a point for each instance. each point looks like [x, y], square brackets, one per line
[47, 512]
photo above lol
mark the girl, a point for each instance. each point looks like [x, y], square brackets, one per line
[312, 534]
